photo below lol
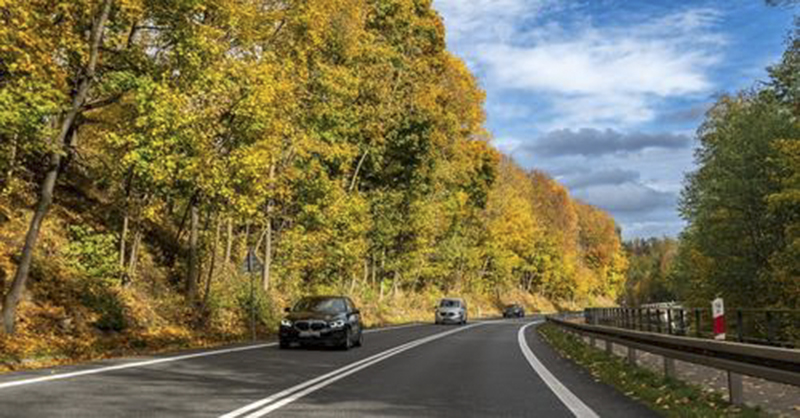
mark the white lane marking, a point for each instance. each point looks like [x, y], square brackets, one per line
[572, 402]
[392, 328]
[283, 393]
[296, 392]
[98, 370]
[129, 365]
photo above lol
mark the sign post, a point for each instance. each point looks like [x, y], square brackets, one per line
[718, 313]
[252, 265]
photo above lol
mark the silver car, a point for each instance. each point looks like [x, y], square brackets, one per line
[451, 311]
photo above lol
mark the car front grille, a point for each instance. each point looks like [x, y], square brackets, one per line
[314, 325]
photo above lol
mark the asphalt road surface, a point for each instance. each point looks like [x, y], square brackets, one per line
[484, 369]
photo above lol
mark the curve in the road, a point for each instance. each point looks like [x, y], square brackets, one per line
[572, 402]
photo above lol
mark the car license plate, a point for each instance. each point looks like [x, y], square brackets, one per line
[309, 334]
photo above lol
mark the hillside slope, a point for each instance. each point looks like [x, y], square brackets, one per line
[344, 145]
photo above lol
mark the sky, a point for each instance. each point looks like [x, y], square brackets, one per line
[606, 95]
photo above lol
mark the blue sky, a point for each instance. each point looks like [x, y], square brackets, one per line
[606, 95]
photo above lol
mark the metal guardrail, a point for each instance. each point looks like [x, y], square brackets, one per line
[774, 327]
[771, 363]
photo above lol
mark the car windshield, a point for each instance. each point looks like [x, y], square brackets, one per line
[321, 305]
[447, 303]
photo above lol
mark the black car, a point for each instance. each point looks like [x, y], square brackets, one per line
[331, 321]
[513, 311]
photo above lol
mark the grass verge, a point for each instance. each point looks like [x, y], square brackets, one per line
[669, 397]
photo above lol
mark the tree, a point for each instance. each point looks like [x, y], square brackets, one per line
[64, 137]
[740, 202]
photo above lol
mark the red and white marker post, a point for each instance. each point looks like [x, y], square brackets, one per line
[718, 312]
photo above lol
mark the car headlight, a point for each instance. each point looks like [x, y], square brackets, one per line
[337, 324]
[286, 323]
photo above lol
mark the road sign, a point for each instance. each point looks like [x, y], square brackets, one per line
[718, 312]
[251, 263]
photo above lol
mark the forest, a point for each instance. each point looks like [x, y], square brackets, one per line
[147, 146]
[741, 204]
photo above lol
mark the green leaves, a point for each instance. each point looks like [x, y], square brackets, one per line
[345, 124]
[93, 254]
[740, 203]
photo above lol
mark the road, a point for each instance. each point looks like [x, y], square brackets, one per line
[484, 369]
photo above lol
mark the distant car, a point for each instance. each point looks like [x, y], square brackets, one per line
[451, 311]
[331, 321]
[514, 311]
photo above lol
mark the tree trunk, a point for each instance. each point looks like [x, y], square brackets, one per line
[372, 281]
[67, 128]
[395, 280]
[134, 257]
[213, 263]
[18, 284]
[366, 272]
[380, 278]
[358, 168]
[123, 237]
[191, 279]
[352, 283]
[12, 162]
[229, 244]
[265, 271]
[246, 242]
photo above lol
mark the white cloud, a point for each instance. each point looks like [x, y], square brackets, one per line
[507, 145]
[627, 197]
[487, 20]
[590, 75]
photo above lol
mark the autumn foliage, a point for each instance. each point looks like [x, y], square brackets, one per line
[339, 139]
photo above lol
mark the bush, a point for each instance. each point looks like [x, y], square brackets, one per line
[93, 257]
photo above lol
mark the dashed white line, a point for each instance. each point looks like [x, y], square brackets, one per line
[572, 402]
[60, 376]
[287, 396]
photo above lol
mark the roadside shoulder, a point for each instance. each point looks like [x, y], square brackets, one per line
[668, 397]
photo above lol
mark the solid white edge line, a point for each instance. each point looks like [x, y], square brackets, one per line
[60, 376]
[572, 402]
[296, 392]
[129, 365]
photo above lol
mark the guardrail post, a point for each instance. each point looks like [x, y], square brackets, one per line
[640, 325]
[658, 320]
[735, 390]
[628, 317]
[669, 367]
[683, 322]
[669, 321]
[632, 356]
[649, 321]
